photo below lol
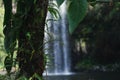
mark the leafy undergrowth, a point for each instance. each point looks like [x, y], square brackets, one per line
[15, 75]
[7, 77]
[88, 66]
[12, 76]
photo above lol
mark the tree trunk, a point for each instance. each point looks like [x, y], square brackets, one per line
[30, 36]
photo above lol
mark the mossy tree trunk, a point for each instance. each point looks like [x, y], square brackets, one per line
[30, 53]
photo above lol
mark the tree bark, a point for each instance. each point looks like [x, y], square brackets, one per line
[30, 53]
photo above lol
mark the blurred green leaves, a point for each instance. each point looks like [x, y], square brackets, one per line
[76, 12]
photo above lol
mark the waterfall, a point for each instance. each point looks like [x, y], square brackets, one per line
[57, 45]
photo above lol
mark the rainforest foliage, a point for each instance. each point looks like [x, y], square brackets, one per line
[100, 32]
[24, 22]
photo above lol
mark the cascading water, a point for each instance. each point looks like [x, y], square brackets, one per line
[57, 44]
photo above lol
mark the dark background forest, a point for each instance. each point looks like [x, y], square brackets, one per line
[96, 41]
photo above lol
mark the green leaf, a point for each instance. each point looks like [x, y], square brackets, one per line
[10, 40]
[59, 2]
[9, 29]
[54, 12]
[37, 76]
[8, 12]
[76, 12]
[8, 63]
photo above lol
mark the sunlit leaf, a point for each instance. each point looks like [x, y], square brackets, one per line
[54, 12]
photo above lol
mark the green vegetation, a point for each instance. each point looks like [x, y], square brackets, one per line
[25, 28]
[101, 32]
[2, 51]
[1, 20]
[6, 77]
[97, 36]
[86, 65]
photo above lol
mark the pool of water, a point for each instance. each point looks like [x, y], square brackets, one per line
[85, 76]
